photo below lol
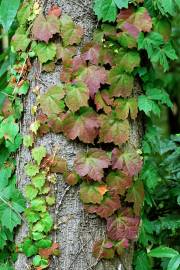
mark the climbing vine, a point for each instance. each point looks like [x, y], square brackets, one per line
[101, 90]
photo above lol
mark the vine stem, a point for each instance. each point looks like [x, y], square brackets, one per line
[12, 208]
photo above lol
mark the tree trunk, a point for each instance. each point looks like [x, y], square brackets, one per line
[77, 230]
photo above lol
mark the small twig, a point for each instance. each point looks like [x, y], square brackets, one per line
[62, 198]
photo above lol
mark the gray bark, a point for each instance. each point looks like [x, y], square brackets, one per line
[77, 230]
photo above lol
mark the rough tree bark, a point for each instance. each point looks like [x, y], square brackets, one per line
[77, 230]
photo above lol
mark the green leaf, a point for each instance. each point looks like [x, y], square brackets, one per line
[31, 192]
[107, 9]
[70, 32]
[45, 52]
[39, 180]
[29, 248]
[37, 260]
[77, 95]
[20, 40]
[174, 263]
[9, 129]
[51, 102]
[8, 11]
[163, 252]
[142, 261]
[38, 205]
[124, 107]
[136, 195]
[35, 126]
[28, 141]
[148, 106]
[31, 169]
[38, 154]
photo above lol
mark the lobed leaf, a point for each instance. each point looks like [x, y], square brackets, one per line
[92, 163]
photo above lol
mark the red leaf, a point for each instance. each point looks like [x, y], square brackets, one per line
[118, 182]
[83, 124]
[55, 10]
[121, 246]
[92, 163]
[71, 178]
[103, 249]
[47, 252]
[122, 225]
[134, 22]
[44, 28]
[107, 207]
[113, 129]
[136, 195]
[93, 76]
[128, 161]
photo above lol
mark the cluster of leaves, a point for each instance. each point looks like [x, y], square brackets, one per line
[160, 218]
[13, 84]
[39, 194]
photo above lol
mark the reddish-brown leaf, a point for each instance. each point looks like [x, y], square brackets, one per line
[113, 129]
[44, 28]
[92, 163]
[47, 252]
[122, 225]
[55, 10]
[129, 161]
[103, 249]
[91, 52]
[134, 22]
[83, 124]
[118, 182]
[92, 192]
[124, 107]
[71, 178]
[109, 204]
[93, 76]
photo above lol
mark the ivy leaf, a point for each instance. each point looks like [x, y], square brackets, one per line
[47, 252]
[142, 261]
[91, 52]
[44, 28]
[29, 248]
[93, 77]
[70, 32]
[158, 51]
[92, 192]
[128, 161]
[8, 12]
[118, 182]
[35, 126]
[107, 9]
[100, 103]
[9, 129]
[103, 249]
[77, 95]
[109, 204]
[121, 84]
[148, 105]
[136, 195]
[125, 106]
[55, 10]
[134, 22]
[127, 60]
[71, 178]
[30, 215]
[45, 52]
[51, 102]
[120, 246]
[39, 180]
[122, 225]
[83, 124]
[20, 40]
[31, 169]
[59, 165]
[27, 141]
[92, 163]
[38, 154]
[31, 192]
[65, 53]
[112, 129]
